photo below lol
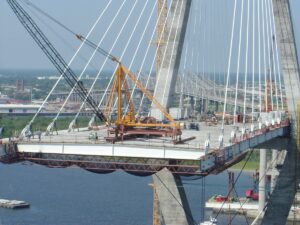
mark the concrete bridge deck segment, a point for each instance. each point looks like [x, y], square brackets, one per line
[145, 156]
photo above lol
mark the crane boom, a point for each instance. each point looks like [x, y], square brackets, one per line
[53, 55]
[125, 125]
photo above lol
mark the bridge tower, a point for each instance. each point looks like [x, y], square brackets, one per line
[172, 200]
[284, 192]
[161, 30]
[171, 49]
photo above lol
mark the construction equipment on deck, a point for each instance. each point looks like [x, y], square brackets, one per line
[124, 126]
[128, 125]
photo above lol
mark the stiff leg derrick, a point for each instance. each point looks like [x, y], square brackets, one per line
[126, 124]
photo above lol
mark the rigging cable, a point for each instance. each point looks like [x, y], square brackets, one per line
[253, 59]
[28, 126]
[183, 74]
[241, 205]
[277, 56]
[264, 54]
[262, 177]
[135, 54]
[80, 76]
[229, 64]
[156, 51]
[246, 61]
[269, 54]
[273, 53]
[63, 39]
[219, 211]
[136, 50]
[203, 50]
[198, 37]
[238, 63]
[173, 47]
[111, 49]
[106, 60]
[103, 52]
[259, 55]
[190, 82]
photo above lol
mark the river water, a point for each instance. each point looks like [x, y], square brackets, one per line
[74, 196]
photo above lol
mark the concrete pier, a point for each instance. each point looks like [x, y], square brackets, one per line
[173, 203]
[262, 179]
[274, 169]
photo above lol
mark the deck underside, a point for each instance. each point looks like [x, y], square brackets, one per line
[143, 156]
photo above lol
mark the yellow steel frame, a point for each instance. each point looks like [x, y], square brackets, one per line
[117, 87]
[129, 120]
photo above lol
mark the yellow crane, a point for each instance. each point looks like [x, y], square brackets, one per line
[128, 124]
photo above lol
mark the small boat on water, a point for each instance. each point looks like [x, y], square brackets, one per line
[212, 221]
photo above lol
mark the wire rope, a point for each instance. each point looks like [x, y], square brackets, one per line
[103, 52]
[146, 53]
[262, 177]
[253, 58]
[246, 61]
[273, 53]
[85, 68]
[111, 49]
[245, 163]
[277, 56]
[148, 47]
[59, 36]
[269, 54]
[259, 54]
[264, 55]
[239, 61]
[59, 79]
[240, 203]
[229, 63]
[203, 55]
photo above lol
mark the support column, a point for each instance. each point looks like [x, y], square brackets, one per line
[168, 73]
[173, 203]
[262, 179]
[284, 192]
[274, 169]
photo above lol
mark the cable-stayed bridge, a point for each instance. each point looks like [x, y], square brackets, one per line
[197, 87]
[260, 40]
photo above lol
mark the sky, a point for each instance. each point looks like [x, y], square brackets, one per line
[19, 51]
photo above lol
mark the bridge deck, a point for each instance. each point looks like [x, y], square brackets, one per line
[145, 156]
[82, 136]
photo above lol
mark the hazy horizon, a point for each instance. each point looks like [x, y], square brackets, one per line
[19, 51]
